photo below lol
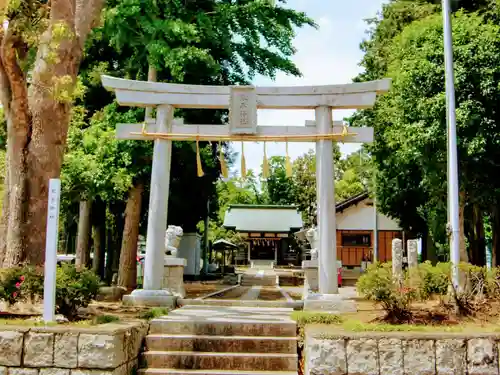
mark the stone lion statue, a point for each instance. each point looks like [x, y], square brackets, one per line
[312, 238]
[173, 236]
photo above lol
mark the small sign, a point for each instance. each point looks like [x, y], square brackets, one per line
[243, 110]
[49, 293]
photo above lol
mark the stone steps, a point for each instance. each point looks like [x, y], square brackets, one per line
[256, 280]
[296, 305]
[222, 328]
[156, 371]
[220, 361]
[243, 344]
[218, 340]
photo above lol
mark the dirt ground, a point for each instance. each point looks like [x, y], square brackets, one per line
[198, 289]
[270, 294]
[234, 293]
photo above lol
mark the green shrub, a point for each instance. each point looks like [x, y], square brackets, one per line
[74, 289]
[378, 285]
[11, 281]
[433, 280]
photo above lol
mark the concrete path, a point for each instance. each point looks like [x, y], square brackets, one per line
[252, 294]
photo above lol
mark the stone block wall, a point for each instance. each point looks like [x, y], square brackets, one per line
[401, 353]
[109, 349]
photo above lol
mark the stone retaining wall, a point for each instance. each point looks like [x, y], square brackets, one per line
[108, 349]
[399, 353]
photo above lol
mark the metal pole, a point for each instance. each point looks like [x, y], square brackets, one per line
[205, 240]
[453, 204]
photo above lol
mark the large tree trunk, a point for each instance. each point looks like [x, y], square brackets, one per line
[82, 242]
[127, 272]
[38, 119]
[15, 102]
[99, 237]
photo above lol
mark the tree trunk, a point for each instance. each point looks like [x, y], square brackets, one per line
[495, 226]
[127, 273]
[109, 254]
[479, 237]
[82, 242]
[99, 236]
[461, 223]
[38, 119]
[4, 213]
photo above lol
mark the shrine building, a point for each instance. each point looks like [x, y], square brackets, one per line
[268, 232]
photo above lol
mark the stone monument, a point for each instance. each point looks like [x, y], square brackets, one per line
[173, 275]
[397, 259]
[412, 253]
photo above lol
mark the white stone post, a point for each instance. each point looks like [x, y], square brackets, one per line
[152, 294]
[327, 251]
[49, 285]
[397, 259]
[412, 253]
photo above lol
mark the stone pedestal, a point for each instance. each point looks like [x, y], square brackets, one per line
[190, 250]
[310, 268]
[330, 303]
[153, 298]
[173, 276]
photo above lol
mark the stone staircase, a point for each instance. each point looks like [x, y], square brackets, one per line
[259, 279]
[215, 340]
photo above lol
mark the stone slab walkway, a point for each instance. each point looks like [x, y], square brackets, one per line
[252, 294]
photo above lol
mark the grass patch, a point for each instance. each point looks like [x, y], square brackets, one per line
[305, 317]
[154, 313]
[104, 319]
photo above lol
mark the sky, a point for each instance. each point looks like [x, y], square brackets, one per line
[325, 56]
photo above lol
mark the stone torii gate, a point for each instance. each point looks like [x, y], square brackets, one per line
[242, 102]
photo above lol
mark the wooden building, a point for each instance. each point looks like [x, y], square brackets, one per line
[267, 230]
[356, 225]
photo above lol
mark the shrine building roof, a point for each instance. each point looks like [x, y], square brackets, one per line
[262, 218]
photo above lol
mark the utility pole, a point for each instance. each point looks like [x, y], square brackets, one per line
[453, 203]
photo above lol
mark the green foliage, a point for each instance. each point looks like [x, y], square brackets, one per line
[306, 317]
[11, 281]
[199, 42]
[105, 319]
[378, 285]
[154, 313]
[410, 121]
[279, 187]
[434, 280]
[74, 289]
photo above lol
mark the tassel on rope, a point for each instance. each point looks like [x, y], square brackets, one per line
[222, 160]
[288, 164]
[265, 164]
[198, 160]
[243, 163]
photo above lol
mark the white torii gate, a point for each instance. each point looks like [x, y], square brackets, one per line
[242, 102]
